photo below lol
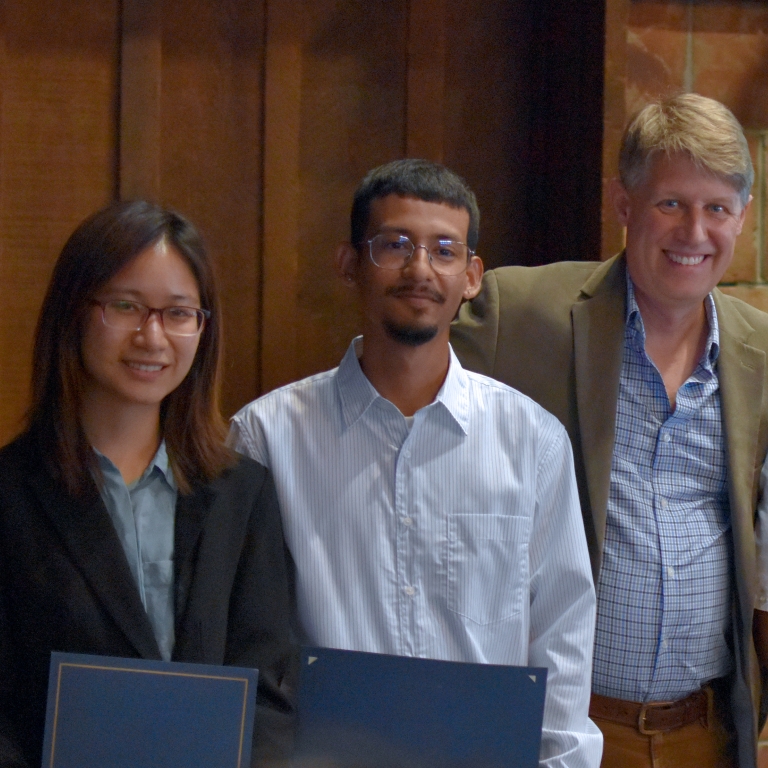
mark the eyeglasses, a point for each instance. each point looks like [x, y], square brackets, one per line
[132, 315]
[393, 251]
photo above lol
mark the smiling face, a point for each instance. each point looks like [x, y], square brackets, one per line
[139, 368]
[412, 305]
[682, 223]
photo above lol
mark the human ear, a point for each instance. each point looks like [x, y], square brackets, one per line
[347, 263]
[743, 215]
[474, 277]
[620, 199]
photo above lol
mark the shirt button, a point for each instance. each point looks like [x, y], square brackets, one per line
[407, 454]
[410, 591]
[407, 521]
[663, 503]
[666, 437]
[671, 572]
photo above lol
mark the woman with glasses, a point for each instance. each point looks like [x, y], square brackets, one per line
[127, 528]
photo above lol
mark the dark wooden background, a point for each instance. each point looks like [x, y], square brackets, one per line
[258, 119]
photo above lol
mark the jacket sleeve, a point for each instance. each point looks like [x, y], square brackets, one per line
[562, 612]
[10, 756]
[474, 334]
[258, 631]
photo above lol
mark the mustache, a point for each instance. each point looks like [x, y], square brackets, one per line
[415, 290]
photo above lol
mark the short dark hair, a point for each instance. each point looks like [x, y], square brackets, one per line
[422, 179]
[190, 420]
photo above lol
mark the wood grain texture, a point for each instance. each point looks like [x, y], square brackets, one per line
[211, 154]
[258, 120]
[487, 119]
[282, 136]
[140, 88]
[335, 108]
[58, 138]
[353, 118]
[425, 96]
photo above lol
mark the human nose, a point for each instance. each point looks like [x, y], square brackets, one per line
[152, 331]
[419, 262]
[694, 226]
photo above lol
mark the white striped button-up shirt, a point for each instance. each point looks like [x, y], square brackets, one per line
[458, 538]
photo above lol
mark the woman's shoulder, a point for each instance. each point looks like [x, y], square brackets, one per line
[21, 456]
[243, 474]
[25, 474]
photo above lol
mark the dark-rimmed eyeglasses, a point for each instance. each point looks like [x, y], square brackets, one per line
[127, 315]
[394, 251]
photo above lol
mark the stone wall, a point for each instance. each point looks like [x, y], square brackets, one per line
[718, 49]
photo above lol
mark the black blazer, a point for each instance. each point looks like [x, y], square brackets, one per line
[65, 585]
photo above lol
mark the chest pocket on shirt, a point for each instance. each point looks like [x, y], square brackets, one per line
[487, 566]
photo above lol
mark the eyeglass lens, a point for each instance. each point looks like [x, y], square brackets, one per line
[448, 257]
[131, 316]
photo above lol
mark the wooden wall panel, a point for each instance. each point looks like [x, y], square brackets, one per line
[211, 158]
[259, 119]
[486, 119]
[565, 94]
[351, 117]
[140, 90]
[58, 123]
[426, 86]
[282, 194]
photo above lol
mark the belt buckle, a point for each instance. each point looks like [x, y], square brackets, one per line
[641, 722]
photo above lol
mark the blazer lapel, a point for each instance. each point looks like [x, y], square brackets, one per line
[598, 338]
[740, 372]
[89, 536]
[191, 514]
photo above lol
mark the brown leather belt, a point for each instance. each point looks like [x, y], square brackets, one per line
[656, 716]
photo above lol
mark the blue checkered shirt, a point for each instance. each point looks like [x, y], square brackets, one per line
[664, 592]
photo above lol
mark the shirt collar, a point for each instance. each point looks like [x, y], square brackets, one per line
[357, 394]
[634, 321]
[159, 462]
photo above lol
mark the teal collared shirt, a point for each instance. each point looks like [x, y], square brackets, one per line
[143, 514]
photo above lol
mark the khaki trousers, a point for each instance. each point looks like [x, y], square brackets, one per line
[690, 746]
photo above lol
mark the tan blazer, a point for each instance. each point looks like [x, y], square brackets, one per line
[556, 333]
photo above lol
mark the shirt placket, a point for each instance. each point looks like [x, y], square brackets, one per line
[657, 409]
[663, 503]
[665, 459]
[393, 428]
[406, 591]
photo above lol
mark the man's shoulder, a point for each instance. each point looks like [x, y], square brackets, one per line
[298, 393]
[499, 400]
[567, 276]
[547, 293]
[733, 311]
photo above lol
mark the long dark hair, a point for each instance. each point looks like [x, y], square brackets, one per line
[190, 420]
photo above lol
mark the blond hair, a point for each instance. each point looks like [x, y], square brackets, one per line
[702, 128]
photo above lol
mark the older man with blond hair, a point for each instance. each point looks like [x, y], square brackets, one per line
[660, 380]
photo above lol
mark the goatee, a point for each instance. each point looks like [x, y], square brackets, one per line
[410, 335]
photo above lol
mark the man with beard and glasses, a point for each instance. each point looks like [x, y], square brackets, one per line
[430, 511]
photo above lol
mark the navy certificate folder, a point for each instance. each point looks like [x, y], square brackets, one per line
[105, 712]
[367, 710]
